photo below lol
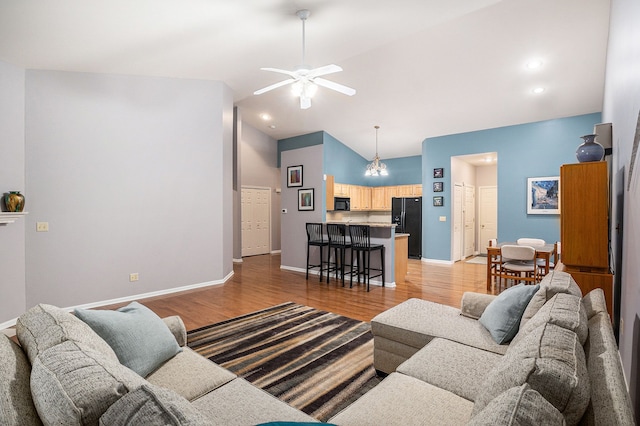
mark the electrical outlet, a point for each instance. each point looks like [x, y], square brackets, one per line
[42, 226]
[133, 277]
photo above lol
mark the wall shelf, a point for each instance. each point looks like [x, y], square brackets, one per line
[9, 217]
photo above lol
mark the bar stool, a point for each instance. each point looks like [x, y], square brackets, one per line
[338, 242]
[315, 237]
[361, 246]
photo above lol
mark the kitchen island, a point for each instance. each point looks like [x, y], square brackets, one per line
[381, 233]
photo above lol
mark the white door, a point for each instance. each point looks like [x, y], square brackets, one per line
[456, 246]
[469, 220]
[255, 217]
[488, 215]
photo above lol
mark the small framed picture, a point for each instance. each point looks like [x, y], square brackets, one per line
[305, 199]
[438, 186]
[294, 176]
[438, 173]
[543, 195]
[438, 201]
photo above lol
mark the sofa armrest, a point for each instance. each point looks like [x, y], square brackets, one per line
[177, 328]
[473, 304]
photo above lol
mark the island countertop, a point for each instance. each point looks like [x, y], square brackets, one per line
[371, 224]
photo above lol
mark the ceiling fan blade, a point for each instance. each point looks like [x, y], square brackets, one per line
[335, 86]
[305, 102]
[327, 69]
[278, 70]
[274, 86]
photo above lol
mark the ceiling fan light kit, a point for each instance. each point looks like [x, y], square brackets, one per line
[376, 167]
[306, 80]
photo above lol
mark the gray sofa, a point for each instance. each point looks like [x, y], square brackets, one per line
[445, 368]
[63, 373]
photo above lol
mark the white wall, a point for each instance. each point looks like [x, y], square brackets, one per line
[622, 109]
[12, 177]
[293, 233]
[133, 174]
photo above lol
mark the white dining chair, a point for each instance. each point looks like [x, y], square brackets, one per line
[519, 263]
[533, 242]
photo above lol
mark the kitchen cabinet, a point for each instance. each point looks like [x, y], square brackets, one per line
[341, 190]
[367, 198]
[329, 184]
[584, 226]
[360, 197]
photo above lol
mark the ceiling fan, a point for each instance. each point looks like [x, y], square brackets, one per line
[305, 81]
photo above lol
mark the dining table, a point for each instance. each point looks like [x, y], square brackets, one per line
[544, 252]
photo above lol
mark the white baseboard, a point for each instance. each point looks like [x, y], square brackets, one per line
[438, 261]
[237, 260]
[12, 322]
[276, 251]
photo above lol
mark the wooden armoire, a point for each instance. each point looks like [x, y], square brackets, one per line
[584, 226]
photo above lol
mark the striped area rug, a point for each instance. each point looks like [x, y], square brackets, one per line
[316, 361]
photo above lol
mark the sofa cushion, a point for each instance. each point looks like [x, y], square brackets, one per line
[190, 375]
[139, 337]
[45, 326]
[415, 322]
[610, 402]
[594, 302]
[239, 403]
[521, 406]
[73, 384]
[502, 316]
[553, 283]
[151, 405]
[405, 400]
[551, 360]
[563, 310]
[473, 304]
[452, 366]
[16, 405]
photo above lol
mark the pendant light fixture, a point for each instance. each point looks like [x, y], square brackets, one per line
[376, 167]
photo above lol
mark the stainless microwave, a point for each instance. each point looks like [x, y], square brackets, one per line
[341, 204]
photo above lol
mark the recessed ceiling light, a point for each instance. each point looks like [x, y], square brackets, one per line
[272, 126]
[534, 64]
[265, 116]
[537, 90]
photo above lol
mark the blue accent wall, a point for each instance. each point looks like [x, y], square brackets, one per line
[524, 151]
[347, 166]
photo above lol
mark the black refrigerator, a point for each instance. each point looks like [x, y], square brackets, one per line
[407, 214]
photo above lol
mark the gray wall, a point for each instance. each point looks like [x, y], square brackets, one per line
[622, 109]
[12, 177]
[133, 174]
[294, 236]
[259, 168]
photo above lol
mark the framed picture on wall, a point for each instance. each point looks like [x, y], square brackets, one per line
[438, 186]
[294, 176]
[438, 173]
[305, 199]
[543, 195]
[438, 201]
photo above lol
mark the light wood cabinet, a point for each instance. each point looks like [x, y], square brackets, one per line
[584, 226]
[360, 197]
[377, 198]
[330, 182]
[341, 190]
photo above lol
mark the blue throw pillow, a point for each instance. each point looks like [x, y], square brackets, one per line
[139, 337]
[502, 316]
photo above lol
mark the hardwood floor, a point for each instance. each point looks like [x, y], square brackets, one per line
[258, 282]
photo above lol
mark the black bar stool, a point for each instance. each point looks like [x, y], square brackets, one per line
[361, 246]
[338, 242]
[315, 237]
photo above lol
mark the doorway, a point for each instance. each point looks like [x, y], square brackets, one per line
[256, 220]
[474, 203]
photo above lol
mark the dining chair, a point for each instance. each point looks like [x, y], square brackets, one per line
[518, 263]
[533, 242]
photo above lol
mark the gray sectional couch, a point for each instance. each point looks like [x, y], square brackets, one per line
[63, 373]
[445, 368]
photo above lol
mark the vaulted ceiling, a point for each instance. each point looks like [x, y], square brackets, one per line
[421, 68]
